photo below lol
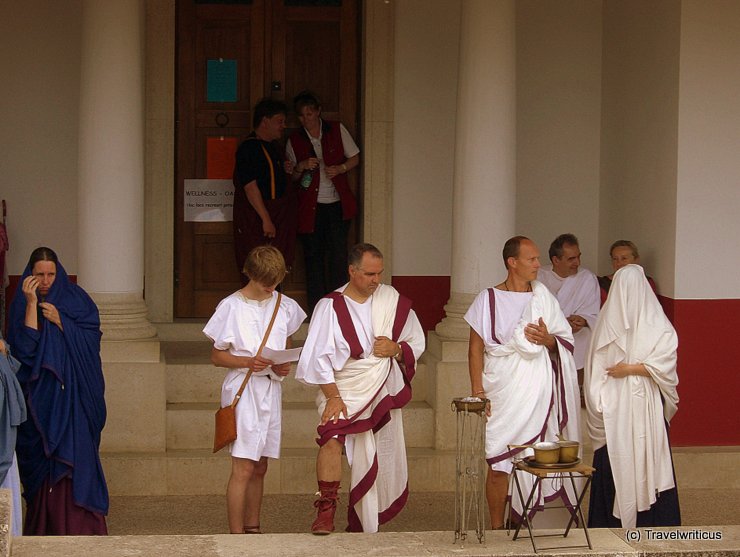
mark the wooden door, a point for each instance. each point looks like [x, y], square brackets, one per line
[280, 47]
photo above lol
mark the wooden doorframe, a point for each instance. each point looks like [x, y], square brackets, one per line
[376, 117]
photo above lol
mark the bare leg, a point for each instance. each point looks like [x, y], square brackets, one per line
[329, 474]
[497, 489]
[236, 492]
[253, 501]
[329, 462]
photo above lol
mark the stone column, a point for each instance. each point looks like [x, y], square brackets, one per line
[485, 155]
[377, 156]
[111, 225]
[484, 189]
[111, 165]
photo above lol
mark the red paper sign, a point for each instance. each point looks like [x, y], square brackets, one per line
[220, 153]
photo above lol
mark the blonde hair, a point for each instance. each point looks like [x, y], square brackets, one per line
[265, 265]
[625, 244]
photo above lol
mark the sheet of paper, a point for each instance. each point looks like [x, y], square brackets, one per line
[220, 155]
[221, 81]
[208, 201]
[282, 356]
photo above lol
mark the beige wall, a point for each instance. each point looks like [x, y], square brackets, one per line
[40, 65]
[650, 103]
[558, 122]
[425, 96]
[639, 132]
[708, 204]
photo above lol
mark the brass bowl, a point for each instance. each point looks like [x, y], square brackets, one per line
[569, 450]
[546, 452]
[463, 405]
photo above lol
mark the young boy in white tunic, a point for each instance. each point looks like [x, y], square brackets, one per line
[236, 329]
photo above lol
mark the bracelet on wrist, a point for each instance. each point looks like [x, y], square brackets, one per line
[335, 396]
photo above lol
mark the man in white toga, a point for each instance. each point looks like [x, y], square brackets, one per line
[361, 350]
[578, 293]
[521, 358]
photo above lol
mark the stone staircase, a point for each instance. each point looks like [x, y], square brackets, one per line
[188, 466]
[175, 456]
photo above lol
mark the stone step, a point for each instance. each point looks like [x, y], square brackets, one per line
[191, 377]
[200, 472]
[190, 425]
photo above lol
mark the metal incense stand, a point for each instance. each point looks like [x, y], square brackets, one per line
[470, 469]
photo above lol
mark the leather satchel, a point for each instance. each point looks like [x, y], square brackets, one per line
[225, 433]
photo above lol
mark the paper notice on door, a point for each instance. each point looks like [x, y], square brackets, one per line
[208, 201]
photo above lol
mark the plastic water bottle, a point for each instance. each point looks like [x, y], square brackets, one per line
[306, 179]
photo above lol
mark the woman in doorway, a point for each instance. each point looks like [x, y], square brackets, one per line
[54, 330]
[322, 152]
[630, 387]
[237, 329]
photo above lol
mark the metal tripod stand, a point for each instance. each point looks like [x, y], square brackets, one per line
[470, 469]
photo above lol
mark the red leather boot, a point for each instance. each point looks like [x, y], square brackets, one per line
[326, 505]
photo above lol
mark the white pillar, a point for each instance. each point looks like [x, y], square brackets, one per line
[485, 156]
[111, 166]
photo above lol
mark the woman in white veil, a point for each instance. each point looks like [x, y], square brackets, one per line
[630, 389]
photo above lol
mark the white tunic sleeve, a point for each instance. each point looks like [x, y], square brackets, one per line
[222, 325]
[294, 314]
[325, 348]
[350, 147]
[413, 335]
[478, 317]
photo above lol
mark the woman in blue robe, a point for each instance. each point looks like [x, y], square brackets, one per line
[54, 329]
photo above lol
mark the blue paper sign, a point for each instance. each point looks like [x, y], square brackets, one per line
[221, 81]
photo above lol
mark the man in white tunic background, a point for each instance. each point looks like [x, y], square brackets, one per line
[520, 358]
[361, 350]
[577, 290]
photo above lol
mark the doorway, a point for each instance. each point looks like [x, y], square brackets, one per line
[267, 48]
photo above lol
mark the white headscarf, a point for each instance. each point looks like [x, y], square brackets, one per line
[628, 413]
[633, 319]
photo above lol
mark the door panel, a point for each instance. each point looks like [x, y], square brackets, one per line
[280, 48]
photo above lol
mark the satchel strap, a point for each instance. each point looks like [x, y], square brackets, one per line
[259, 351]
